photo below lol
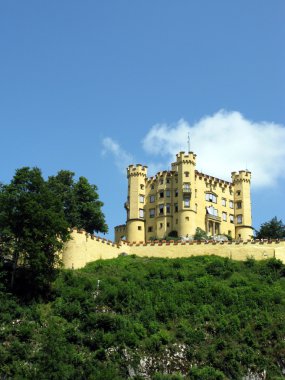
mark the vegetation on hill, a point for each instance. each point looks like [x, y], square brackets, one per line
[198, 318]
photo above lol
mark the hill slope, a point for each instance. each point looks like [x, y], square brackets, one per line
[202, 318]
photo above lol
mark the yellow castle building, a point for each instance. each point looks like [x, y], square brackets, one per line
[181, 199]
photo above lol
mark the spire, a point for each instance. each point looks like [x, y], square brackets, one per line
[188, 141]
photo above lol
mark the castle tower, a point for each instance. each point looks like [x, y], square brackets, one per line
[135, 203]
[242, 204]
[185, 169]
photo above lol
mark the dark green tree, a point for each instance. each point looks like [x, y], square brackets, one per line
[33, 228]
[200, 234]
[80, 199]
[274, 229]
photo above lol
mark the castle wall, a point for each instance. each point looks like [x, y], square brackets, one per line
[84, 248]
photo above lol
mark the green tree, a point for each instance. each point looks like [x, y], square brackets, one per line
[200, 234]
[274, 229]
[33, 228]
[80, 199]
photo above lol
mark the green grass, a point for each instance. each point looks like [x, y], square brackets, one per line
[227, 316]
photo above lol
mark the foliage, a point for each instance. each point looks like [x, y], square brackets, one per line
[80, 199]
[274, 229]
[200, 234]
[227, 318]
[206, 373]
[32, 228]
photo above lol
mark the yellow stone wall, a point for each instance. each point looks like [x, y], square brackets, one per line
[183, 199]
[84, 248]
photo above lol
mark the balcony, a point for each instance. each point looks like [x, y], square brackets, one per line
[186, 190]
[213, 218]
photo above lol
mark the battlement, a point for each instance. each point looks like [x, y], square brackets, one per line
[241, 176]
[84, 248]
[211, 179]
[205, 242]
[185, 158]
[136, 170]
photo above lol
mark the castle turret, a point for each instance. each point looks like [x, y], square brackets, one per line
[136, 202]
[242, 204]
[185, 168]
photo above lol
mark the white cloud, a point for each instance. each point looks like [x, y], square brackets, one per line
[224, 142]
[122, 158]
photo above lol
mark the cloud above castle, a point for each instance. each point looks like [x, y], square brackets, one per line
[224, 142]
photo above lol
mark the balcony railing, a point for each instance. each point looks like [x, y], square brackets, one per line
[213, 218]
[186, 189]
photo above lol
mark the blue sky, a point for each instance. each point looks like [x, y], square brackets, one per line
[89, 85]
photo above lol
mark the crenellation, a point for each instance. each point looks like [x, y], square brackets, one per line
[180, 200]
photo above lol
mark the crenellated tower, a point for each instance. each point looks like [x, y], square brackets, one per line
[178, 201]
[242, 204]
[185, 169]
[135, 203]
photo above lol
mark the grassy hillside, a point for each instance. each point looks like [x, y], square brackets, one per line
[197, 318]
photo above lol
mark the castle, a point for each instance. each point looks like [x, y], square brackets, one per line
[178, 200]
[182, 199]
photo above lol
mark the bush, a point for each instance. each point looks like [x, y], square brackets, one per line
[200, 234]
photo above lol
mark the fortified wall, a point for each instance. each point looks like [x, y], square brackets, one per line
[84, 248]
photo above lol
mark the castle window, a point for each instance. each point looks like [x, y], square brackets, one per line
[186, 174]
[239, 219]
[186, 186]
[176, 207]
[231, 218]
[152, 187]
[139, 228]
[149, 229]
[176, 221]
[187, 202]
[160, 225]
[168, 208]
[196, 207]
[211, 197]
[224, 215]
[142, 187]
[168, 180]
[176, 192]
[151, 212]
[152, 198]
[231, 204]
[168, 193]
[161, 194]
[212, 211]
[160, 208]
[195, 193]
[167, 224]
[141, 213]
[238, 205]
[224, 202]
[141, 198]
[238, 192]
[161, 181]
[187, 218]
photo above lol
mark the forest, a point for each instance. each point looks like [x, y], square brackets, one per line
[146, 318]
